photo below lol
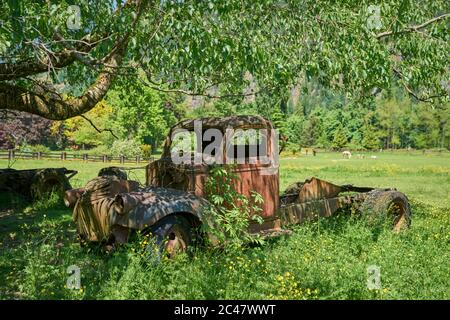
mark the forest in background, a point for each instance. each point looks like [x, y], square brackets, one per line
[134, 120]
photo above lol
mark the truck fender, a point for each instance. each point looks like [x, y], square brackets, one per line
[142, 209]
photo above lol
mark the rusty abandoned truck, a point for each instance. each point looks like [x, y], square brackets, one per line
[172, 203]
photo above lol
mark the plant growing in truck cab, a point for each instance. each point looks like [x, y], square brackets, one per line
[230, 210]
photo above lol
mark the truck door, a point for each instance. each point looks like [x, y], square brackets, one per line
[255, 157]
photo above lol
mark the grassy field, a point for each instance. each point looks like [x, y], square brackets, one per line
[326, 259]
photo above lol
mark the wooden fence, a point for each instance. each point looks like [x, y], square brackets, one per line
[12, 155]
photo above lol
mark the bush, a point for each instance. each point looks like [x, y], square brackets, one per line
[39, 148]
[126, 148]
[49, 201]
[230, 211]
[146, 151]
[293, 147]
[26, 147]
[100, 150]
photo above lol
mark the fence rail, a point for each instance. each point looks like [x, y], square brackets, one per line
[12, 155]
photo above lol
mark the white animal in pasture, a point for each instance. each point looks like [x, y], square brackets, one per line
[347, 154]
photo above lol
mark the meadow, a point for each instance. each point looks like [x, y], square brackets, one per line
[325, 259]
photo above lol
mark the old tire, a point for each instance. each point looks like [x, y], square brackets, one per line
[171, 235]
[46, 181]
[388, 204]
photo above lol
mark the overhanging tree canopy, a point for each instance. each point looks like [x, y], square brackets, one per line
[58, 64]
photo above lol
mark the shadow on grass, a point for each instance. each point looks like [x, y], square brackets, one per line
[20, 218]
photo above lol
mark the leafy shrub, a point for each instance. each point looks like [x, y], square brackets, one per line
[24, 147]
[39, 148]
[128, 148]
[146, 151]
[231, 211]
[49, 201]
[99, 150]
[293, 147]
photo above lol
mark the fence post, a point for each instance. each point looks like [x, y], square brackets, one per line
[39, 155]
[104, 158]
[63, 155]
[11, 154]
[138, 159]
[85, 157]
[122, 159]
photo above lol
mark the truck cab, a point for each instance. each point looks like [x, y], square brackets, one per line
[246, 143]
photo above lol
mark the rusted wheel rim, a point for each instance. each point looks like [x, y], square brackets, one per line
[400, 220]
[175, 244]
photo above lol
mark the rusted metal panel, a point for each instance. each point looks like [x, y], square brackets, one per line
[295, 213]
[164, 173]
[318, 189]
[107, 205]
[71, 197]
[193, 179]
[315, 198]
[137, 210]
[91, 211]
[250, 179]
[259, 177]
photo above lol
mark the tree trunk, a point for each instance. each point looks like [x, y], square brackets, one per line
[52, 106]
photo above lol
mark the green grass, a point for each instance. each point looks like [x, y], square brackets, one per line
[326, 259]
[425, 177]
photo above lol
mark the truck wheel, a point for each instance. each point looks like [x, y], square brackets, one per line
[172, 235]
[46, 181]
[387, 204]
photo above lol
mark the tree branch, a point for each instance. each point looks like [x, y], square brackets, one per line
[201, 94]
[415, 28]
[97, 129]
[53, 106]
[31, 66]
[58, 60]
[428, 99]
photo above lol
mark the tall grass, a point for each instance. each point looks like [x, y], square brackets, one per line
[325, 259]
